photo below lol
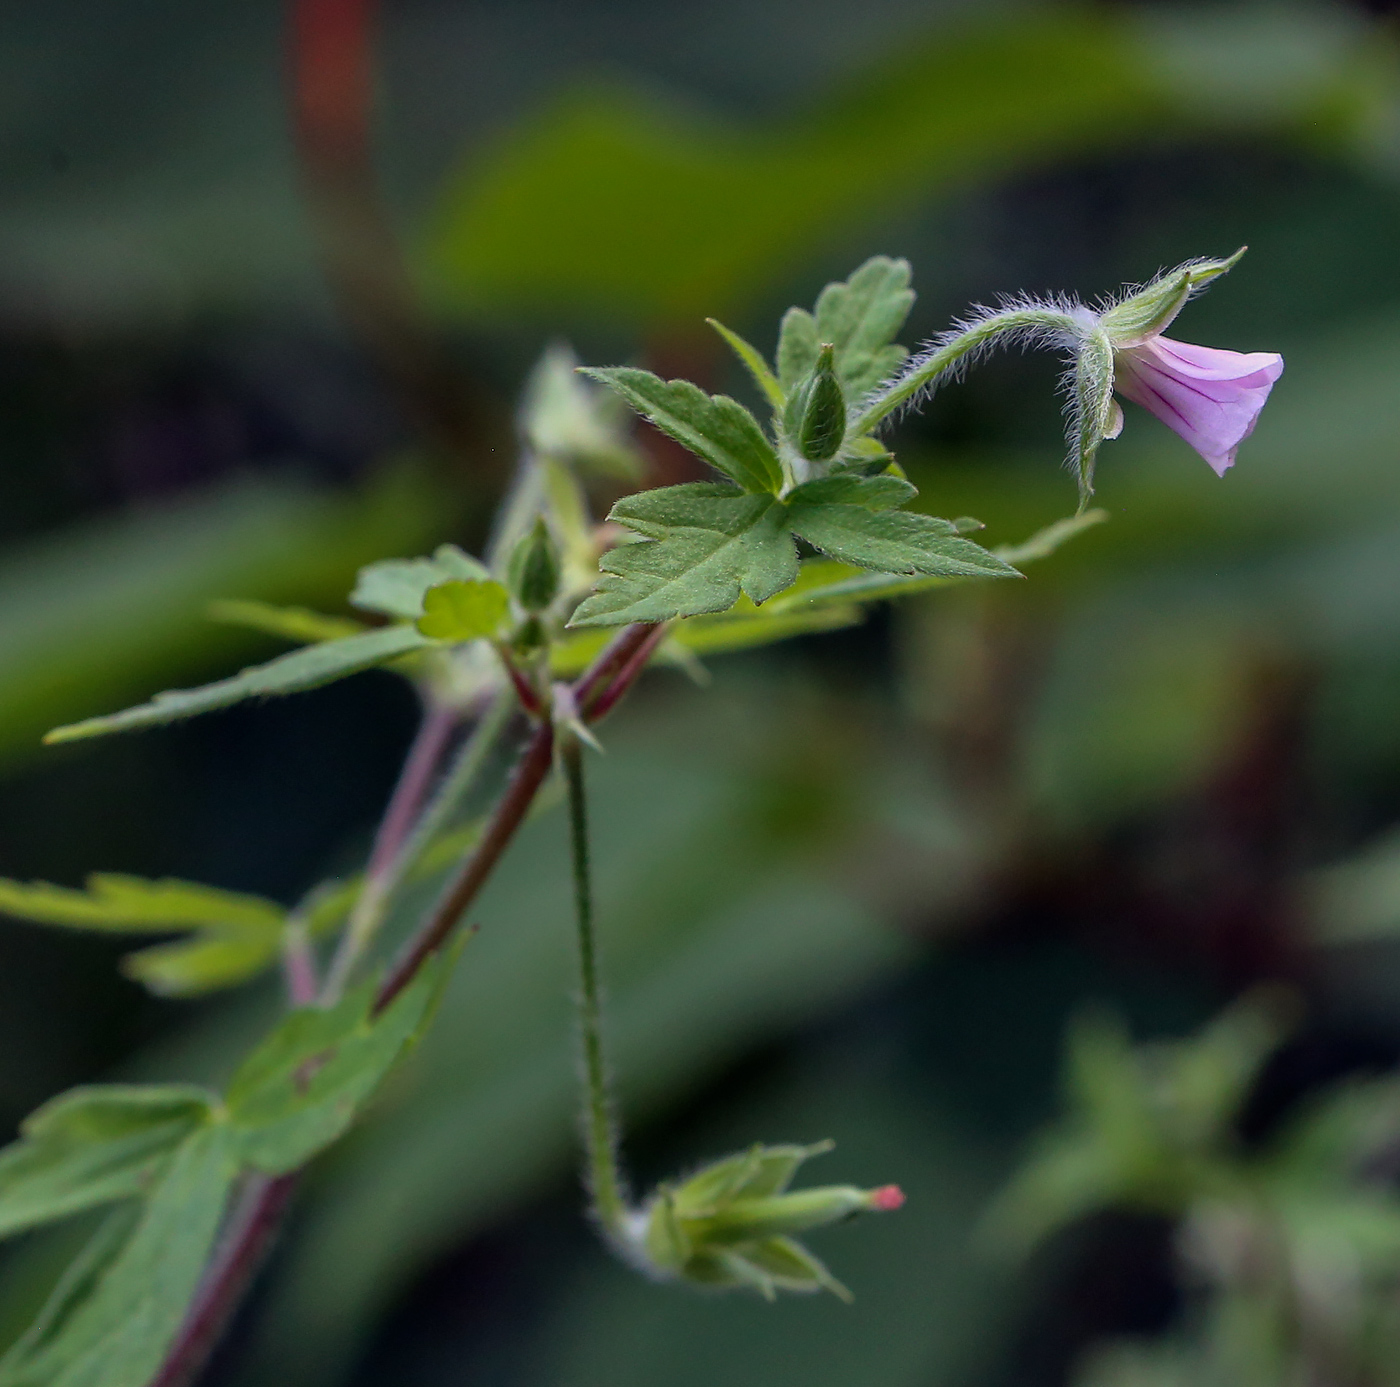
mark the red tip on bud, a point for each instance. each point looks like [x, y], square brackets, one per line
[886, 1198]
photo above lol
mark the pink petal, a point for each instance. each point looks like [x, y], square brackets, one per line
[1210, 396]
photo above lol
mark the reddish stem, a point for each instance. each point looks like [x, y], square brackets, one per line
[627, 675]
[251, 1230]
[529, 774]
[415, 779]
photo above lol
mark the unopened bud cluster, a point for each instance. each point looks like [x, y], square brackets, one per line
[732, 1224]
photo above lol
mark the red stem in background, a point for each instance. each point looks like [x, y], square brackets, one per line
[331, 81]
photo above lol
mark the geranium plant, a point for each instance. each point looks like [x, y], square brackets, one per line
[518, 656]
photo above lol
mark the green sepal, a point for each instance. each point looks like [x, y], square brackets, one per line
[707, 544]
[1151, 309]
[815, 419]
[294, 672]
[395, 587]
[464, 610]
[534, 568]
[713, 427]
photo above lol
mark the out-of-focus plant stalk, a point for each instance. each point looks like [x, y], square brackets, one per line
[599, 1130]
[331, 81]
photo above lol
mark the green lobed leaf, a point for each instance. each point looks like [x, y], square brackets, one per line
[301, 1088]
[752, 358]
[713, 427]
[464, 610]
[290, 673]
[895, 542]
[860, 318]
[847, 488]
[93, 1146]
[114, 902]
[298, 624]
[395, 587]
[203, 962]
[115, 1320]
[798, 348]
[707, 543]
[236, 936]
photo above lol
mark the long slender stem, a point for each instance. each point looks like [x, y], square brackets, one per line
[600, 1133]
[410, 838]
[529, 774]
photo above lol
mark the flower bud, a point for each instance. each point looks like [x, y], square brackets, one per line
[816, 413]
[1151, 310]
[730, 1224]
[533, 570]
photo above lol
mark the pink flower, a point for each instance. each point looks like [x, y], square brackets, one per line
[1210, 396]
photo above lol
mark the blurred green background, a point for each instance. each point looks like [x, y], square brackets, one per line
[853, 889]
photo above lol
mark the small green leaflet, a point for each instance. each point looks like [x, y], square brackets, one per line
[92, 1146]
[895, 542]
[713, 427]
[464, 610]
[301, 1088]
[859, 318]
[708, 543]
[395, 587]
[290, 673]
[298, 624]
[112, 1319]
[235, 936]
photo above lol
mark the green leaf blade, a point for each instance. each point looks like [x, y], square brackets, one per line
[752, 358]
[463, 610]
[298, 624]
[860, 318]
[300, 1090]
[396, 587]
[93, 1146]
[114, 1326]
[291, 673]
[116, 903]
[708, 544]
[713, 427]
[896, 542]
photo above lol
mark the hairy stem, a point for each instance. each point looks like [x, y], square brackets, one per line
[600, 1138]
[1012, 324]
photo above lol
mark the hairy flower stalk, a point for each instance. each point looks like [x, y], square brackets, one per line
[1210, 396]
[732, 1223]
